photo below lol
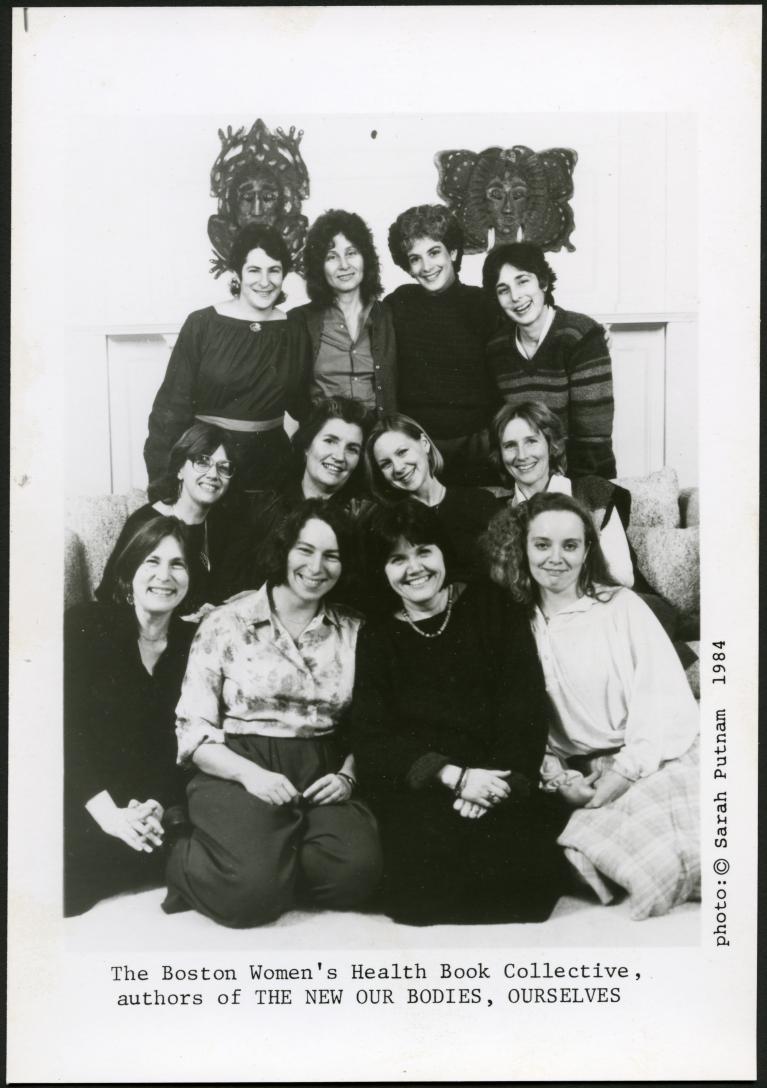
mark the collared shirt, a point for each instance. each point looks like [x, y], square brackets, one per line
[614, 681]
[247, 675]
[522, 348]
[344, 366]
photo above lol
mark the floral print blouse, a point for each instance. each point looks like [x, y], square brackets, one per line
[246, 674]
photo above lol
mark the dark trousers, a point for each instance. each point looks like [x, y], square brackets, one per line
[247, 862]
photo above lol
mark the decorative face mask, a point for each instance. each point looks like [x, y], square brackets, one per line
[519, 194]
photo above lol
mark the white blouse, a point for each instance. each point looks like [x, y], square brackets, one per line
[614, 681]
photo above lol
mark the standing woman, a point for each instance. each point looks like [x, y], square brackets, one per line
[401, 460]
[545, 353]
[124, 659]
[449, 728]
[275, 822]
[442, 327]
[622, 748]
[199, 473]
[238, 365]
[351, 332]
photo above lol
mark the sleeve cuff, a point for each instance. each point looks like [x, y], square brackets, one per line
[425, 769]
[191, 737]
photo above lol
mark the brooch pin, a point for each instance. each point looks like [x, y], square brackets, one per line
[255, 327]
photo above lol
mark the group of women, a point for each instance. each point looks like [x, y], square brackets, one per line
[401, 651]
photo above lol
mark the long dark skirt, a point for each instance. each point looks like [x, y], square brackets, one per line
[441, 867]
[247, 862]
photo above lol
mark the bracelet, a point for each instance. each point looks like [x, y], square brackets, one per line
[461, 781]
[348, 778]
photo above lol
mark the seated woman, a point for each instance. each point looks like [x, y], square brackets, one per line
[449, 729]
[198, 476]
[123, 664]
[274, 822]
[529, 445]
[328, 449]
[442, 327]
[622, 747]
[239, 365]
[401, 460]
[351, 332]
[544, 353]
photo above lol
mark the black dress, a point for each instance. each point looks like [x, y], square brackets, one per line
[472, 696]
[238, 370]
[119, 736]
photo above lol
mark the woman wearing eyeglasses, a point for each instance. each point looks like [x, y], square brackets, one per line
[198, 476]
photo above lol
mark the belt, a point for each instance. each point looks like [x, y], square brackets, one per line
[250, 425]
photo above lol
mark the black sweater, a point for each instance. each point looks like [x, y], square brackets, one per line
[442, 380]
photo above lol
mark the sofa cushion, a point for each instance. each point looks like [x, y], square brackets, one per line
[669, 559]
[96, 521]
[654, 499]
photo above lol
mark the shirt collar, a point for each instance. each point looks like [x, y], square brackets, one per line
[257, 611]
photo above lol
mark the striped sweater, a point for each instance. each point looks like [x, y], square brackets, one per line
[572, 374]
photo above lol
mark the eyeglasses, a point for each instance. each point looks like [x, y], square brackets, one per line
[204, 463]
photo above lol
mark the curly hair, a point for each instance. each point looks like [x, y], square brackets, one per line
[425, 221]
[258, 236]
[318, 241]
[197, 439]
[525, 256]
[504, 547]
[138, 547]
[385, 526]
[400, 424]
[287, 532]
[540, 418]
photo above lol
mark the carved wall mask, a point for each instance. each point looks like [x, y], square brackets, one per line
[258, 177]
[519, 194]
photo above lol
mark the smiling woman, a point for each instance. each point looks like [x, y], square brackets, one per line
[442, 327]
[124, 658]
[543, 353]
[328, 449]
[199, 473]
[270, 675]
[448, 727]
[350, 330]
[240, 366]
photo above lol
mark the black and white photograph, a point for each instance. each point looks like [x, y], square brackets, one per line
[384, 496]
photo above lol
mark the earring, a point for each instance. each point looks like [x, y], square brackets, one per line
[129, 597]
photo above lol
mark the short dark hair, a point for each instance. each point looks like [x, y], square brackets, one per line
[198, 439]
[258, 236]
[504, 546]
[287, 531]
[525, 256]
[425, 221]
[400, 424]
[322, 410]
[538, 416]
[318, 240]
[408, 520]
[138, 547]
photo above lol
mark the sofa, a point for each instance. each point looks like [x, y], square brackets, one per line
[664, 532]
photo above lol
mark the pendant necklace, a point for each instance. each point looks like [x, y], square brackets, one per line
[442, 626]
